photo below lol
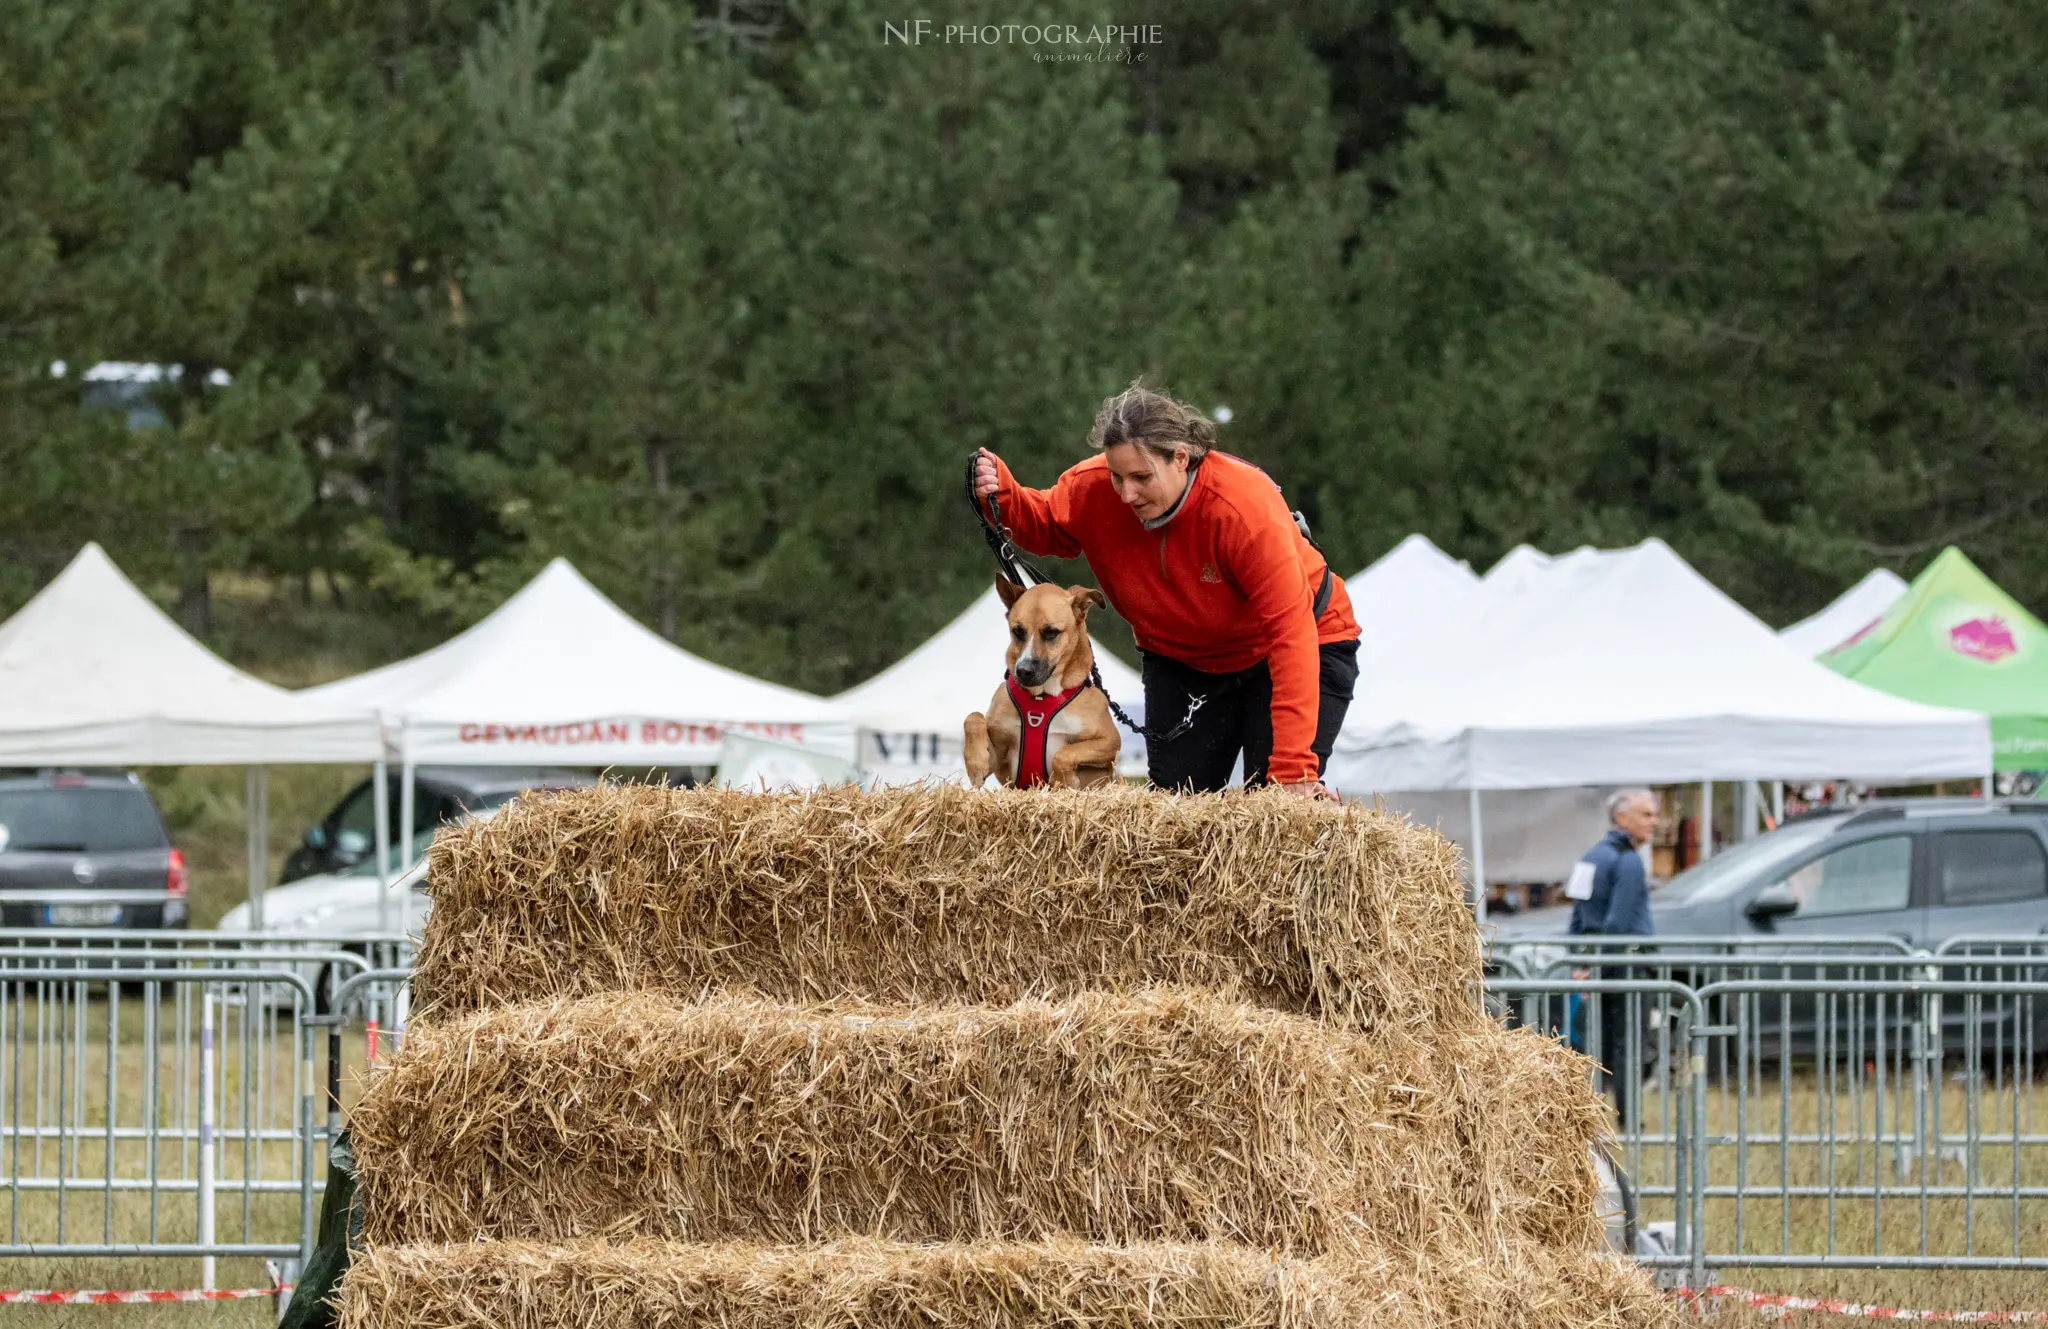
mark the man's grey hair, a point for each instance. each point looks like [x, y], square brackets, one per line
[1621, 798]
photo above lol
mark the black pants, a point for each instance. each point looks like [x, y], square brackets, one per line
[1236, 716]
[1622, 1065]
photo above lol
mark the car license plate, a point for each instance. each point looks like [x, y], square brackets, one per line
[83, 915]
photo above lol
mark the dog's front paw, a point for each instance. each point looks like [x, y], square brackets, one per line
[974, 749]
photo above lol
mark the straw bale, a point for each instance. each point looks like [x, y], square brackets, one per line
[1166, 1115]
[1525, 1119]
[874, 1285]
[1163, 1115]
[943, 894]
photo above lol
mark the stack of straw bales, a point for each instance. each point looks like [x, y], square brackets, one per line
[934, 1058]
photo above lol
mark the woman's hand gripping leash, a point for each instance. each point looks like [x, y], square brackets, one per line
[985, 481]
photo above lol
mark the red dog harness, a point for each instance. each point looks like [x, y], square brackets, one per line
[1037, 714]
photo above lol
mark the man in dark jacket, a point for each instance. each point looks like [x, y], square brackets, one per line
[1616, 902]
[1610, 896]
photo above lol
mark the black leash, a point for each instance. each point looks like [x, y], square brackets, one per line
[1012, 563]
[1026, 574]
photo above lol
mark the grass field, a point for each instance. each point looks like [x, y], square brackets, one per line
[1842, 1153]
[44, 1081]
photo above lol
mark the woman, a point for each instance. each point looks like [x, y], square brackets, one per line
[1248, 640]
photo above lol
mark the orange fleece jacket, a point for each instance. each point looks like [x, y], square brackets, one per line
[1225, 584]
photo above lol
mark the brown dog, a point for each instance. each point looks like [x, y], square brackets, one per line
[1046, 724]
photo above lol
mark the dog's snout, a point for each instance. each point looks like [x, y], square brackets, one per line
[1031, 670]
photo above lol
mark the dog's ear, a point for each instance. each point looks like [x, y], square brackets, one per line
[1083, 599]
[1009, 590]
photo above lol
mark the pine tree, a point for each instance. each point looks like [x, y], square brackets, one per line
[117, 250]
[82, 87]
[982, 251]
[1766, 270]
[624, 279]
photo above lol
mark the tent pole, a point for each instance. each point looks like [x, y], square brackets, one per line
[256, 806]
[380, 799]
[406, 801]
[1478, 859]
[1991, 783]
[405, 795]
[1777, 802]
[1706, 820]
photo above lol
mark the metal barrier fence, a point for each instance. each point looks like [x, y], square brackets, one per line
[369, 991]
[158, 1093]
[1852, 1104]
[127, 1088]
[1529, 957]
[1802, 1110]
[373, 952]
[1533, 958]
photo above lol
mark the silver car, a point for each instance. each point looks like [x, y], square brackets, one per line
[339, 911]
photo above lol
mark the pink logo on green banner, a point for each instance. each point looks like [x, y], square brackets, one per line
[1987, 639]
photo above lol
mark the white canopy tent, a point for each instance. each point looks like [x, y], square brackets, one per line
[92, 673]
[1532, 835]
[1852, 611]
[1408, 584]
[909, 715]
[1559, 674]
[1520, 568]
[1405, 598]
[1573, 682]
[559, 675]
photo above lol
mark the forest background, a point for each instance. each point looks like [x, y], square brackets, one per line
[714, 298]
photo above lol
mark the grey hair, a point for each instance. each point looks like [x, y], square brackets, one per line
[1621, 798]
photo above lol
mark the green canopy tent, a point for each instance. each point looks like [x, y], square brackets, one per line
[1956, 639]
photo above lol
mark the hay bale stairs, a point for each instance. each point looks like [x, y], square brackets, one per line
[931, 1057]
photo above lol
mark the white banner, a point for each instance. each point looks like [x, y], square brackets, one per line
[616, 741]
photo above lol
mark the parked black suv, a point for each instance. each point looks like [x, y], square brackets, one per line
[85, 849]
[347, 834]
